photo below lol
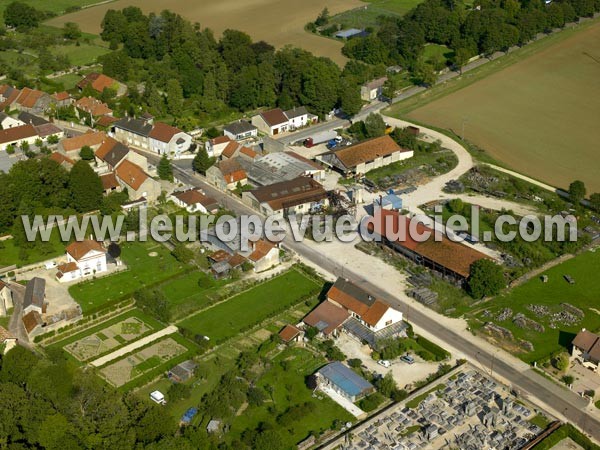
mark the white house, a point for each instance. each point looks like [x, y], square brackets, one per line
[264, 255]
[7, 121]
[15, 136]
[240, 130]
[165, 139]
[372, 90]
[271, 122]
[214, 147]
[372, 313]
[586, 350]
[297, 118]
[84, 258]
[193, 200]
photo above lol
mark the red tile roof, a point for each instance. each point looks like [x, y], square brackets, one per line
[5, 334]
[451, 255]
[368, 150]
[232, 171]
[106, 121]
[288, 333]
[131, 174]
[17, 133]
[219, 256]
[261, 249]
[220, 140]
[79, 249]
[91, 139]
[109, 181]
[163, 132]
[192, 197]
[327, 317]
[60, 96]
[230, 149]
[274, 117]
[61, 159]
[67, 267]
[248, 152]
[93, 106]
[32, 320]
[589, 343]
[29, 97]
[106, 147]
[98, 81]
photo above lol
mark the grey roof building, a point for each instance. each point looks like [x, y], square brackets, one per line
[136, 126]
[35, 295]
[344, 381]
[241, 129]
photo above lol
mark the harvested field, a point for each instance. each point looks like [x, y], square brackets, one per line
[142, 361]
[278, 22]
[538, 116]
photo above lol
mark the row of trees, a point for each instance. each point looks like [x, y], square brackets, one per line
[184, 67]
[487, 27]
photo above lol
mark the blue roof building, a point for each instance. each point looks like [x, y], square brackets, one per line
[390, 201]
[344, 381]
[187, 417]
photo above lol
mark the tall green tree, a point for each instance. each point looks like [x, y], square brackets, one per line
[165, 169]
[85, 186]
[374, 126]
[202, 161]
[174, 98]
[577, 191]
[22, 16]
[486, 279]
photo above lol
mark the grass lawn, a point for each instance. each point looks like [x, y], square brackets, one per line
[55, 6]
[191, 292]
[251, 307]
[584, 294]
[436, 51]
[81, 55]
[289, 389]
[419, 398]
[540, 420]
[514, 107]
[10, 253]
[366, 16]
[143, 270]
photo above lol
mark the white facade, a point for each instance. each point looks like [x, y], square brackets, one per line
[10, 122]
[269, 260]
[179, 143]
[214, 149]
[298, 122]
[6, 301]
[271, 130]
[390, 317]
[383, 161]
[93, 262]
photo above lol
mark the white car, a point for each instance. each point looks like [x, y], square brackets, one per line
[385, 363]
[50, 265]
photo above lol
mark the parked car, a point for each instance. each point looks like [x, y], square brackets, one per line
[50, 265]
[385, 363]
[408, 359]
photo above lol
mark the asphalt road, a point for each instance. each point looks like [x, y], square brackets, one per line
[526, 382]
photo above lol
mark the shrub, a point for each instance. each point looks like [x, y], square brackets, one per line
[371, 402]
[568, 379]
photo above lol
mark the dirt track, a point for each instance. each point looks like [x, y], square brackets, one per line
[278, 22]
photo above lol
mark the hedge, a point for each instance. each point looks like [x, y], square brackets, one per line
[564, 432]
[439, 353]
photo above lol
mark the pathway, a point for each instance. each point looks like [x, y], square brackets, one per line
[134, 346]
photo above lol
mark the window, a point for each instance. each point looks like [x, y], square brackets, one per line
[388, 323]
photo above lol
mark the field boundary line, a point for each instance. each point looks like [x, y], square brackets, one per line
[134, 346]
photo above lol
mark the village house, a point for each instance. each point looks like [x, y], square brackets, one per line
[264, 255]
[62, 160]
[8, 94]
[111, 153]
[167, 140]
[328, 318]
[32, 100]
[84, 258]
[301, 195]
[367, 155]
[138, 183]
[110, 183]
[62, 99]
[291, 334]
[98, 82]
[194, 200]
[240, 130]
[71, 147]
[183, 371]
[227, 175]
[271, 122]
[43, 127]
[34, 298]
[7, 121]
[92, 108]
[586, 350]
[214, 147]
[297, 118]
[373, 89]
[133, 131]
[15, 136]
[452, 260]
[7, 340]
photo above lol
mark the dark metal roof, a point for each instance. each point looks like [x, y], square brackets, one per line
[35, 291]
[31, 119]
[137, 126]
[116, 154]
[239, 127]
[345, 379]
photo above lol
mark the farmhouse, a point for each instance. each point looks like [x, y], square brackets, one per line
[194, 200]
[16, 135]
[138, 183]
[344, 381]
[214, 147]
[586, 350]
[264, 255]
[165, 139]
[227, 174]
[240, 130]
[34, 298]
[367, 155]
[451, 259]
[371, 319]
[301, 195]
[98, 82]
[84, 258]
[372, 90]
[327, 318]
[271, 122]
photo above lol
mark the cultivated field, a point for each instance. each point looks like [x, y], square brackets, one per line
[538, 116]
[55, 6]
[142, 361]
[275, 21]
[559, 308]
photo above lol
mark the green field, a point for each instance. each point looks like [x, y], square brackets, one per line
[251, 307]
[11, 254]
[584, 294]
[82, 54]
[366, 16]
[143, 270]
[55, 6]
[535, 110]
